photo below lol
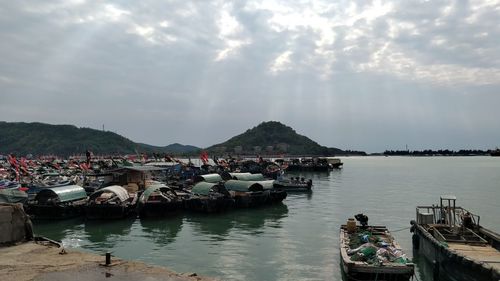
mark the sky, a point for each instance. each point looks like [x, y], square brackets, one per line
[359, 75]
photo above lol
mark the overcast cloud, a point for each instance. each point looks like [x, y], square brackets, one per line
[364, 75]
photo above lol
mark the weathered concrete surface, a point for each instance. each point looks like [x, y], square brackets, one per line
[32, 261]
[15, 225]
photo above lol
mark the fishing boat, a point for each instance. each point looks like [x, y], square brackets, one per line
[453, 241]
[158, 200]
[111, 202]
[371, 253]
[247, 193]
[58, 202]
[209, 197]
[276, 195]
[293, 184]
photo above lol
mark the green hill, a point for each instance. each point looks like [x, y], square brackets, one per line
[41, 139]
[270, 138]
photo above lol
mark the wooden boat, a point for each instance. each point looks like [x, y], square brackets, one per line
[454, 242]
[246, 193]
[58, 202]
[158, 200]
[112, 202]
[13, 195]
[294, 184]
[371, 253]
[276, 195]
[209, 197]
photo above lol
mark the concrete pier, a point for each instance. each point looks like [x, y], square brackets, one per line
[43, 261]
[23, 259]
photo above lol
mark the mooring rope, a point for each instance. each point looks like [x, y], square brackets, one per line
[401, 229]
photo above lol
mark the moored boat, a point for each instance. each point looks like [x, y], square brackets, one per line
[58, 202]
[454, 242]
[111, 202]
[209, 197]
[246, 193]
[293, 184]
[371, 253]
[158, 200]
[276, 195]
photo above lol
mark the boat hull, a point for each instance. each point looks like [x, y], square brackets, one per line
[108, 211]
[160, 209]
[210, 205]
[447, 264]
[56, 212]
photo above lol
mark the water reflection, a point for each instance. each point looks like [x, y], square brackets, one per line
[249, 220]
[162, 230]
[57, 230]
[253, 220]
[107, 233]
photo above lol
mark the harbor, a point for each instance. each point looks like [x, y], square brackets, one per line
[297, 239]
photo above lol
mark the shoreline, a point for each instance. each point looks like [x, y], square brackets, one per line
[47, 261]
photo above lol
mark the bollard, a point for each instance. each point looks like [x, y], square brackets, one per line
[108, 258]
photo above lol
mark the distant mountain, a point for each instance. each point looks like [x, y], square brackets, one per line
[39, 139]
[175, 148]
[270, 138]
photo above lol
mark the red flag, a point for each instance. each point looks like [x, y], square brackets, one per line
[204, 157]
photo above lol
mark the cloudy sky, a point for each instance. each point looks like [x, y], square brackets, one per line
[364, 75]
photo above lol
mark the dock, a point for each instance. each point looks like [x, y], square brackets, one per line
[46, 261]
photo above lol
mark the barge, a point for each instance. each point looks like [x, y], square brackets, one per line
[454, 242]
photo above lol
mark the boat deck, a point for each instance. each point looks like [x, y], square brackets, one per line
[485, 254]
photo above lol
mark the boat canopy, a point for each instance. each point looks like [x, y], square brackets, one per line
[13, 195]
[213, 178]
[145, 195]
[203, 188]
[267, 184]
[247, 176]
[121, 192]
[243, 186]
[63, 193]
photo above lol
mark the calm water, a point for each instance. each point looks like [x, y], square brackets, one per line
[299, 239]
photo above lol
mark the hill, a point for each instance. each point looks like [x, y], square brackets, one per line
[270, 138]
[41, 139]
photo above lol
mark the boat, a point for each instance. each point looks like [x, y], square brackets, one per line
[13, 195]
[334, 163]
[111, 202]
[453, 241]
[276, 195]
[158, 200]
[315, 164]
[293, 184]
[61, 202]
[495, 152]
[247, 193]
[371, 253]
[209, 197]
[213, 178]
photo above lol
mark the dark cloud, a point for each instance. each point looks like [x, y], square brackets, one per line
[373, 75]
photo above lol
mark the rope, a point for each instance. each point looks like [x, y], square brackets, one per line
[401, 229]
